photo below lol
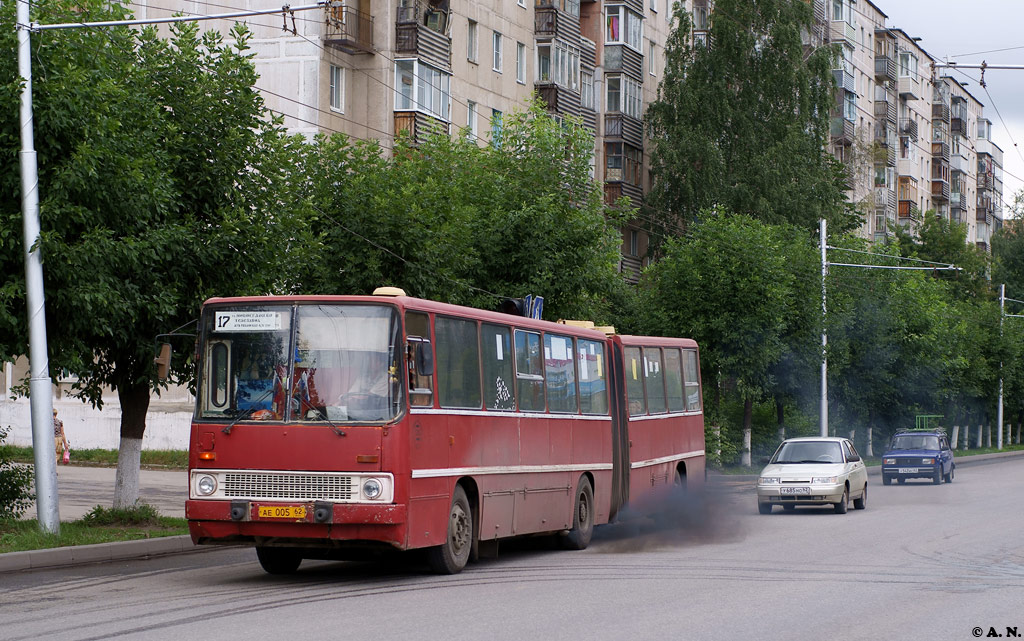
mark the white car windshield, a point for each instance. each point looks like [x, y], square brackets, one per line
[809, 452]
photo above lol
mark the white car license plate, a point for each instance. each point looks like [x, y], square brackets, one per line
[908, 470]
[794, 490]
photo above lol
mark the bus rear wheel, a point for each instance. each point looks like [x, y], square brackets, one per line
[278, 560]
[578, 538]
[452, 555]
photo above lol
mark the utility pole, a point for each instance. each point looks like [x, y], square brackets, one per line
[999, 414]
[40, 385]
[823, 404]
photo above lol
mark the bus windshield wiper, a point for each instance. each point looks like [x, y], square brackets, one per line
[323, 417]
[245, 413]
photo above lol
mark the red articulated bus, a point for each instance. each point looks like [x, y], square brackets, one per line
[325, 424]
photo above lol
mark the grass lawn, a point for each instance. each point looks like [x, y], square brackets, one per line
[101, 525]
[174, 459]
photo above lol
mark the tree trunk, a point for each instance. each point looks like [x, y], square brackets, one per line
[870, 449]
[780, 416]
[956, 437]
[748, 421]
[981, 428]
[134, 406]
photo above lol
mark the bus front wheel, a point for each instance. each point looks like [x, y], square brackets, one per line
[452, 555]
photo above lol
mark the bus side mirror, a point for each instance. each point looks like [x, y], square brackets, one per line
[424, 357]
[163, 362]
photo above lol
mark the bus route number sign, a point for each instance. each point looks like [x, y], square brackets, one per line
[246, 321]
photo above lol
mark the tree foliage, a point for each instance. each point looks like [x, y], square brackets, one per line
[450, 220]
[742, 124]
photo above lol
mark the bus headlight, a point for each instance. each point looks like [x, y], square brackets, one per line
[372, 488]
[206, 485]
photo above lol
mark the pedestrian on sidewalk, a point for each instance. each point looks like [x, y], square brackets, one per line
[60, 441]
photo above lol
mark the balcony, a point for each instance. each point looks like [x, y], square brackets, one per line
[986, 181]
[843, 31]
[842, 131]
[986, 208]
[909, 210]
[940, 111]
[349, 30]
[909, 87]
[908, 127]
[940, 191]
[885, 69]
[958, 202]
[940, 150]
[885, 199]
[844, 80]
[420, 32]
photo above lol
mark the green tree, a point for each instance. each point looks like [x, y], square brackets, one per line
[450, 220]
[742, 124]
[161, 182]
[942, 241]
[729, 284]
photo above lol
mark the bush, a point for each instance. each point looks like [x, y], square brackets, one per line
[140, 514]
[16, 483]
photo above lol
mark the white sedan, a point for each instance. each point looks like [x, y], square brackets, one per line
[813, 471]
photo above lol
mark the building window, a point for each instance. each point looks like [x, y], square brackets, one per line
[521, 3]
[587, 91]
[496, 128]
[650, 57]
[623, 26]
[700, 19]
[471, 42]
[908, 65]
[471, 119]
[544, 63]
[337, 89]
[624, 95]
[559, 62]
[419, 87]
[497, 51]
[520, 63]
[850, 106]
[572, 7]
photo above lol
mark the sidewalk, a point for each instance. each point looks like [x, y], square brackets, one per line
[79, 489]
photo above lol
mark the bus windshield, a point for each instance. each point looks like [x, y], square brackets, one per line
[311, 362]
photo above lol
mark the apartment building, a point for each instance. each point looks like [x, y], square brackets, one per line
[912, 138]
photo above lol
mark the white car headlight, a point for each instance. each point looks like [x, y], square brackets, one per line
[206, 485]
[372, 488]
[824, 479]
[927, 461]
[768, 480]
[889, 461]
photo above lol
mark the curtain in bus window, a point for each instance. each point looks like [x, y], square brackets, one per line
[655, 382]
[560, 371]
[693, 399]
[591, 367]
[346, 363]
[674, 381]
[529, 372]
[497, 360]
[635, 381]
[458, 363]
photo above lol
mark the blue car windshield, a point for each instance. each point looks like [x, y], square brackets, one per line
[915, 442]
[809, 452]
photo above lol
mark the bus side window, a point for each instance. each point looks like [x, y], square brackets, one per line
[635, 381]
[692, 380]
[591, 367]
[674, 380]
[421, 383]
[655, 380]
[560, 370]
[458, 362]
[529, 371]
[499, 384]
[218, 384]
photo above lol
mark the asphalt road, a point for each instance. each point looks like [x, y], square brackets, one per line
[921, 562]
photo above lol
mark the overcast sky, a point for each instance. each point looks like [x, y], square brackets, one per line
[972, 32]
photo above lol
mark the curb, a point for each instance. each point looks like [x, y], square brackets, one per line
[98, 553]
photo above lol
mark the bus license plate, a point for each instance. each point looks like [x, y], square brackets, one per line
[794, 490]
[908, 470]
[294, 512]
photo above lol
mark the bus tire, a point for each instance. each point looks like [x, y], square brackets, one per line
[578, 538]
[452, 555]
[278, 560]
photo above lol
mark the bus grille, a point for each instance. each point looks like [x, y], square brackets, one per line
[295, 487]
